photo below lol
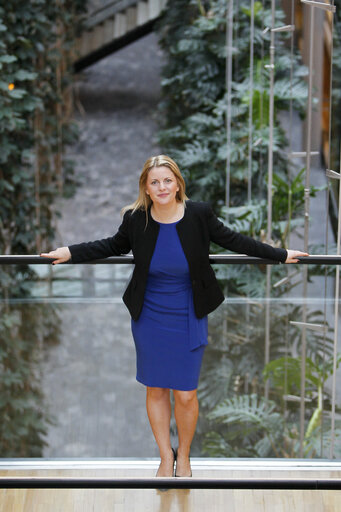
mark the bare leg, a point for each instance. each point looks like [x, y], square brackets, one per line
[159, 414]
[186, 411]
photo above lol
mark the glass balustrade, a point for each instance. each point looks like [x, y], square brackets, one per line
[67, 380]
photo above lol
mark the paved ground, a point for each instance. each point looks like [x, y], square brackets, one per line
[89, 379]
[116, 118]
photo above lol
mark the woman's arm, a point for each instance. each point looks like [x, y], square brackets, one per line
[87, 251]
[229, 239]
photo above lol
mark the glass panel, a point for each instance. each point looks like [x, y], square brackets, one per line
[336, 94]
[241, 421]
[68, 385]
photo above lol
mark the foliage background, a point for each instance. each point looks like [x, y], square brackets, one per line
[35, 125]
[194, 98]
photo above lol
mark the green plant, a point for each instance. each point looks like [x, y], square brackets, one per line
[193, 106]
[251, 427]
[233, 366]
[285, 374]
[35, 125]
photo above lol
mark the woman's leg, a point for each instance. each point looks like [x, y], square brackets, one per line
[159, 414]
[186, 411]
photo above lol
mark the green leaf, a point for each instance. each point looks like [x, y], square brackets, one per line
[17, 93]
[8, 59]
[22, 74]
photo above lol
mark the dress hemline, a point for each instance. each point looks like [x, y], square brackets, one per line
[165, 387]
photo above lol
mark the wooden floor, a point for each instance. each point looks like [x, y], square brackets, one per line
[119, 500]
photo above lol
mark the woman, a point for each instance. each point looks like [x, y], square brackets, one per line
[171, 292]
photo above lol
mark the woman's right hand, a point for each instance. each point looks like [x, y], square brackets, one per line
[61, 254]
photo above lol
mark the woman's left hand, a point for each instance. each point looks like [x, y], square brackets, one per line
[292, 256]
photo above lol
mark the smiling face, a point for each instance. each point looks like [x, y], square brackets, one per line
[162, 185]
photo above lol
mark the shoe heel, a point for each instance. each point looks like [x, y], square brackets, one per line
[175, 454]
[163, 489]
[178, 476]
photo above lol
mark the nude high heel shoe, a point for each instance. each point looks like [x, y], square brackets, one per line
[189, 476]
[173, 473]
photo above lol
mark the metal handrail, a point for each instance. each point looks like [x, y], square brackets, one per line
[33, 482]
[32, 259]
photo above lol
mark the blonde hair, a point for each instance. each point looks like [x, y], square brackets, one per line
[143, 201]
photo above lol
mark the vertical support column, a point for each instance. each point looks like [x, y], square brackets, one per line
[271, 119]
[318, 51]
[270, 168]
[292, 20]
[267, 327]
[289, 274]
[271, 67]
[249, 177]
[336, 308]
[308, 145]
[306, 227]
[229, 51]
[336, 321]
[228, 79]
[313, 5]
[252, 28]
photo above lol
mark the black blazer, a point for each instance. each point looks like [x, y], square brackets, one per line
[198, 227]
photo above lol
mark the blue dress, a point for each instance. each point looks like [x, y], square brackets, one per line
[169, 339]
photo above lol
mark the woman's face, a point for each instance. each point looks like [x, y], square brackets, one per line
[162, 185]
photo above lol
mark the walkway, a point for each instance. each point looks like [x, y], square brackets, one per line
[89, 377]
[151, 500]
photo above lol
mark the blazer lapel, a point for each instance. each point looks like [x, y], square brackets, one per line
[150, 234]
[185, 232]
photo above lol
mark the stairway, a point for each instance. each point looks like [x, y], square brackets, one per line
[113, 26]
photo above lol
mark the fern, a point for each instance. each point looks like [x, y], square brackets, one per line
[247, 420]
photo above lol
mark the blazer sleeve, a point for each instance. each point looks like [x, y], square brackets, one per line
[112, 246]
[242, 244]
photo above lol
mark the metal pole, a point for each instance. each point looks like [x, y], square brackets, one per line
[249, 181]
[292, 21]
[231, 259]
[336, 322]
[229, 51]
[261, 107]
[327, 226]
[267, 328]
[309, 116]
[252, 29]
[270, 169]
[328, 7]
[47, 482]
[306, 227]
[271, 119]
[291, 110]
